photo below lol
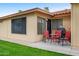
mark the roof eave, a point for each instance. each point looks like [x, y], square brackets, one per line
[26, 12]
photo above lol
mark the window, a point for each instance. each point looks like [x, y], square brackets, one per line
[41, 25]
[19, 25]
[56, 23]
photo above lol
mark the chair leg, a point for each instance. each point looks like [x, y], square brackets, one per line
[50, 40]
[59, 41]
[44, 39]
[62, 41]
[53, 40]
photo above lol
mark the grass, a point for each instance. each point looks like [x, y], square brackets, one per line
[13, 49]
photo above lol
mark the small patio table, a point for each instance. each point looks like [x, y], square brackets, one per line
[54, 36]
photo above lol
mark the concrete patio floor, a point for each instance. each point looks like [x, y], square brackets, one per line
[47, 46]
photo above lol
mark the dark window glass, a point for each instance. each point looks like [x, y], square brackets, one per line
[56, 23]
[19, 25]
[41, 25]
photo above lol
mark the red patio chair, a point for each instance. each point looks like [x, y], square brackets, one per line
[45, 35]
[68, 36]
[56, 36]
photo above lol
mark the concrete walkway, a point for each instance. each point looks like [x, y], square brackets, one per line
[50, 47]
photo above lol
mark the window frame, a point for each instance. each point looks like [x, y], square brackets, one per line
[43, 22]
[22, 25]
[57, 23]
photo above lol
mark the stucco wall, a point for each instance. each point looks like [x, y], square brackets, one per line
[5, 29]
[31, 29]
[67, 22]
[75, 25]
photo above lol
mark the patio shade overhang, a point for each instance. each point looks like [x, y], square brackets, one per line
[61, 14]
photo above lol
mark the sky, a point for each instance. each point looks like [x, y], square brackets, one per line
[10, 8]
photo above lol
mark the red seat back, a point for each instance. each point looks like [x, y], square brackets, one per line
[58, 33]
[68, 35]
[46, 33]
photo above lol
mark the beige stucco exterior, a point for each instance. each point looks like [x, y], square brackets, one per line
[75, 25]
[67, 22]
[31, 29]
[5, 29]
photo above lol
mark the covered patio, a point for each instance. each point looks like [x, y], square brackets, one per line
[71, 22]
[60, 18]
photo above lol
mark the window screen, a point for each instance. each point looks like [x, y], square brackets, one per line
[19, 25]
[41, 25]
[56, 23]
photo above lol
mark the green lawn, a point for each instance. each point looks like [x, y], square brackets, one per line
[13, 49]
